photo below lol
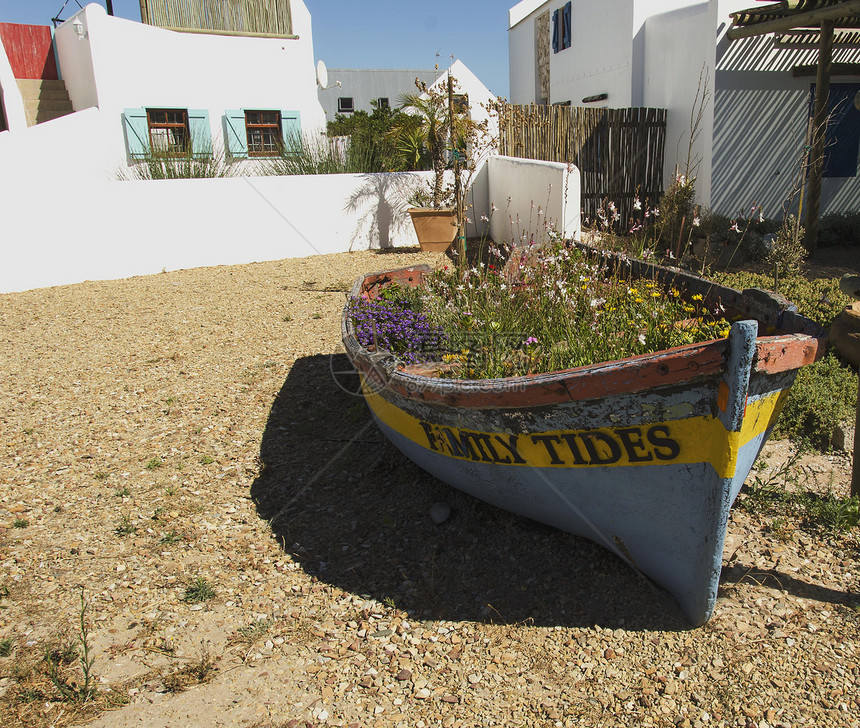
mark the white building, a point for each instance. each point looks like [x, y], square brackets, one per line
[356, 89]
[666, 54]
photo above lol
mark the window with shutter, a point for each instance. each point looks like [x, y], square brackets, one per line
[235, 135]
[566, 26]
[136, 133]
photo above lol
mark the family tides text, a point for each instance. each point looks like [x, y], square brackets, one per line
[582, 448]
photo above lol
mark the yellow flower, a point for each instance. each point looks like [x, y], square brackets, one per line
[724, 333]
[674, 292]
[697, 296]
[655, 294]
[638, 300]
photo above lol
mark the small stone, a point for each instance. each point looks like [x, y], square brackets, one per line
[440, 512]
[404, 675]
[422, 694]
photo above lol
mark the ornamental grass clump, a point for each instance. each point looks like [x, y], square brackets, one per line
[547, 308]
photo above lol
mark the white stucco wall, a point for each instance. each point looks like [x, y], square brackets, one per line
[122, 64]
[10, 95]
[678, 68]
[529, 197]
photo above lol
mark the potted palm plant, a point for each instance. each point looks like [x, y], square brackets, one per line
[433, 126]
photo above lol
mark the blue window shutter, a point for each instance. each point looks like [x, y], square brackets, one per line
[291, 128]
[136, 132]
[235, 135]
[201, 132]
[566, 27]
[555, 31]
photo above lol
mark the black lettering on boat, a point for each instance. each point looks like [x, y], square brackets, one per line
[547, 442]
[578, 457]
[511, 447]
[665, 448]
[488, 452]
[597, 458]
[431, 436]
[461, 447]
[631, 438]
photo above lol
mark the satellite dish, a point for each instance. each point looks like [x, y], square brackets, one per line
[322, 74]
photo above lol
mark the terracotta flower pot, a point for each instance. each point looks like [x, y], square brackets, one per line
[435, 228]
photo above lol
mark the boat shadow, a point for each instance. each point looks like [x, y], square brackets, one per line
[355, 513]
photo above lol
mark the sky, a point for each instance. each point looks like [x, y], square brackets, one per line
[369, 34]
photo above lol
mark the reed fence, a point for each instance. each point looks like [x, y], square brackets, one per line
[619, 152]
[231, 17]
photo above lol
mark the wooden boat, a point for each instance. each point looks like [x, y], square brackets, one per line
[643, 456]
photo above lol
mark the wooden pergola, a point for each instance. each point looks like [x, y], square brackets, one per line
[807, 24]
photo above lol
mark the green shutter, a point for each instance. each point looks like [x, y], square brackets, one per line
[235, 136]
[201, 132]
[291, 128]
[136, 133]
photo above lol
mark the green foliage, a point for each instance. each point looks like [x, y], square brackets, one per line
[6, 646]
[839, 228]
[823, 397]
[775, 492]
[674, 224]
[819, 299]
[373, 145]
[154, 464]
[787, 253]
[159, 165]
[125, 527]
[20, 523]
[199, 590]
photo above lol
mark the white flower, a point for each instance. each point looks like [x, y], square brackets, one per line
[637, 205]
[642, 339]
[696, 222]
[493, 207]
[484, 218]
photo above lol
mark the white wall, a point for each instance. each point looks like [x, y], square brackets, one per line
[679, 54]
[10, 95]
[122, 64]
[529, 197]
[112, 229]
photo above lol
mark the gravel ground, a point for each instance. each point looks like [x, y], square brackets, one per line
[193, 435]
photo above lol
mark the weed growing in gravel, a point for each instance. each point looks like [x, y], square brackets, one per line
[317, 316]
[6, 647]
[199, 590]
[252, 632]
[170, 537]
[122, 492]
[200, 670]
[288, 318]
[154, 464]
[206, 460]
[20, 523]
[777, 492]
[125, 527]
[101, 475]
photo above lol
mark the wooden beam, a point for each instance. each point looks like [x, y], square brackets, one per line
[837, 69]
[819, 130]
[796, 20]
[144, 15]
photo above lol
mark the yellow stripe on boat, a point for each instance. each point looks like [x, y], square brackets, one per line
[684, 441]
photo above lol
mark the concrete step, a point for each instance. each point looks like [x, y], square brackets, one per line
[44, 100]
[38, 89]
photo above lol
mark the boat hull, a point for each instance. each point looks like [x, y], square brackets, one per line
[644, 457]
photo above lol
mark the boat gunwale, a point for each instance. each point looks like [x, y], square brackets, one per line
[786, 350]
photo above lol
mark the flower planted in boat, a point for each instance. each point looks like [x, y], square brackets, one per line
[549, 308]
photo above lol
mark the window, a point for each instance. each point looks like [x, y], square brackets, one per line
[842, 139]
[168, 132]
[345, 105]
[171, 132]
[263, 131]
[382, 102]
[561, 28]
